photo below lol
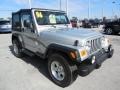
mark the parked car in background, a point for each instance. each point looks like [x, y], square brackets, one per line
[79, 23]
[112, 27]
[5, 26]
[73, 23]
[86, 24]
[94, 23]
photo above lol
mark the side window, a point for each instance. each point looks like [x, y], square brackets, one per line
[15, 21]
[27, 21]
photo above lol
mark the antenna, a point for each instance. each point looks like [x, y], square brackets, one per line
[89, 5]
[60, 5]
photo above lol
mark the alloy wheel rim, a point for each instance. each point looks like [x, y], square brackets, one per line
[109, 31]
[57, 70]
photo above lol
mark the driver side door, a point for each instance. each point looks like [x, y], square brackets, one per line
[28, 32]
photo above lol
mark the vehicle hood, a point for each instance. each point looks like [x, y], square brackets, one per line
[68, 35]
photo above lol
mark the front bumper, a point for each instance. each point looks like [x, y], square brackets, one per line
[86, 67]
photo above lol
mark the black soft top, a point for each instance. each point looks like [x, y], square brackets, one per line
[41, 9]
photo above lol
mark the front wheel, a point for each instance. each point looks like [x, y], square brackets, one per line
[60, 70]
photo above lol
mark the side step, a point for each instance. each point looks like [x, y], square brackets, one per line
[28, 52]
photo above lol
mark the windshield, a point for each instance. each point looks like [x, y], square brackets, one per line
[4, 22]
[49, 18]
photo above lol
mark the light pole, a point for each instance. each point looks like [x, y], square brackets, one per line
[113, 9]
[67, 7]
[118, 9]
[102, 12]
[103, 9]
[60, 3]
[89, 5]
[29, 4]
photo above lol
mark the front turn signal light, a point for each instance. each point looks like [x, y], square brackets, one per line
[73, 55]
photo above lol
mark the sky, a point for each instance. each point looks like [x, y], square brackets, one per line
[78, 8]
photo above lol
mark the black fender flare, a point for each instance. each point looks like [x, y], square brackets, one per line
[60, 49]
[17, 36]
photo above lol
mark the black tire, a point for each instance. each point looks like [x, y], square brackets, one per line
[83, 71]
[69, 75]
[109, 31]
[17, 48]
[111, 51]
[98, 66]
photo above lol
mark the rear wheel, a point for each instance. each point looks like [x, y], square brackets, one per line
[17, 48]
[60, 70]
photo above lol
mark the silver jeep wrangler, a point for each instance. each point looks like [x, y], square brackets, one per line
[70, 52]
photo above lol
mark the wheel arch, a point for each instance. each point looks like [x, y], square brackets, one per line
[17, 37]
[63, 50]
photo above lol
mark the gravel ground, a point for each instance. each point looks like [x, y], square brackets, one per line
[30, 73]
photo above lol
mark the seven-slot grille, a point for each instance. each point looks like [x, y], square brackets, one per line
[95, 45]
